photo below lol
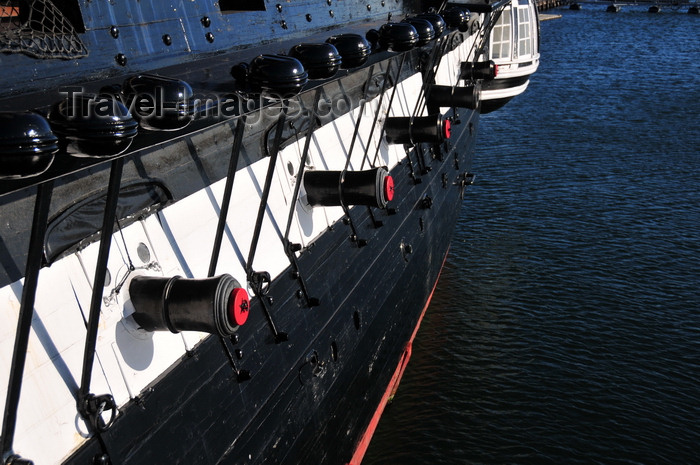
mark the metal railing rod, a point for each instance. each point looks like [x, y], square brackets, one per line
[26, 312]
[108, 220]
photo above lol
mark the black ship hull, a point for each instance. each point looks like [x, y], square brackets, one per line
[342, 354]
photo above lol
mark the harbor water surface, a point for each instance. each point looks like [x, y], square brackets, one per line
[565, 328]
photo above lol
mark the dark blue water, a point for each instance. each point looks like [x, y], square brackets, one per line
[566, 325]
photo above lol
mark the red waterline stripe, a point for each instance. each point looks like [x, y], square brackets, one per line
[393, 384]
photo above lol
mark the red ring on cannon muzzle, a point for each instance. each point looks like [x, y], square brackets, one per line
[239, 306]
[389, 188]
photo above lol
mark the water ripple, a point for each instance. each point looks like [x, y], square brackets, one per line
[565, 327]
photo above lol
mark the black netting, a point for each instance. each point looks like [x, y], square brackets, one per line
[38, 29]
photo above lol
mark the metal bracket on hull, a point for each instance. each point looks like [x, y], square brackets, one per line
[312, 367]
[424, 167]
[94, 406]
[290, 248]
[463, 180]
[406, 250]
[375, 222]
[258, 280]
[260, 283]
[416, 179]
[241, 375]
[436, 151]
